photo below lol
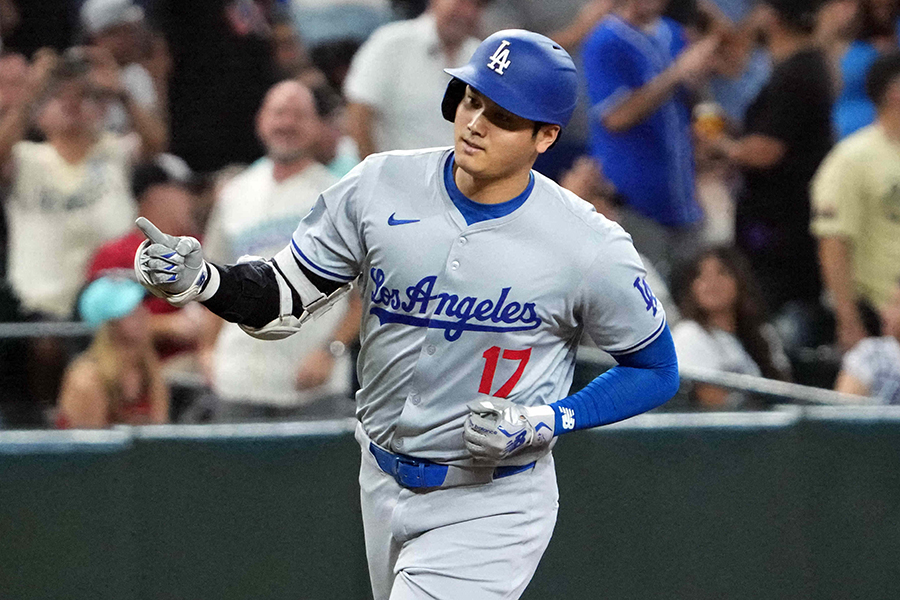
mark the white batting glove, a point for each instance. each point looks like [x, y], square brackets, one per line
[497, 428]
[170, 267]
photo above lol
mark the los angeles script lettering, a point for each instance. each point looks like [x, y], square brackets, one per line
[467, 313]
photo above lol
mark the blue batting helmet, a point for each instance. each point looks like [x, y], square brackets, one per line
[524, 72]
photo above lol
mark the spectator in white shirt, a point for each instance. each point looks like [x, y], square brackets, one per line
[396, 81]
[117, 28]
[68, 195]
[723, 325]
[872, 367]
[304, 376]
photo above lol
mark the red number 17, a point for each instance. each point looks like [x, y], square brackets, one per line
[491, 358]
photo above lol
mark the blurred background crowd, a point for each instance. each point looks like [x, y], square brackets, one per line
[750, 147]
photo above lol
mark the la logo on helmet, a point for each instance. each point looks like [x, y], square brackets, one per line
[500, 58]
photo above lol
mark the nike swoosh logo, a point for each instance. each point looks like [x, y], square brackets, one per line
[393, 220]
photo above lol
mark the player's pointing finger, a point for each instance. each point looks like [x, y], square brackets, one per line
[154, 234]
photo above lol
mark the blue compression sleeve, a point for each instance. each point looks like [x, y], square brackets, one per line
[641, 381]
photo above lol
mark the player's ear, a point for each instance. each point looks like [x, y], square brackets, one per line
[545, 137]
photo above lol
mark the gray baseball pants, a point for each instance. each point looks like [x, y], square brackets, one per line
[478, 542]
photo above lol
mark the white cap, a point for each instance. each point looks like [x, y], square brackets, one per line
[98, 15]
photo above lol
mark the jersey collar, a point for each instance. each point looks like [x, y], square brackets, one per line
[476, 212]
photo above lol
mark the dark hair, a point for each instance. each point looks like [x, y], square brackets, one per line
[871, 25]
[797, 15]
[881, 74]
[73, 64]
[333, 59]
[327, 100]
[750, 317]
[162, 170]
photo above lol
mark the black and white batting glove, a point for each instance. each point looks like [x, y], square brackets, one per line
[497, 428]
[170, 267]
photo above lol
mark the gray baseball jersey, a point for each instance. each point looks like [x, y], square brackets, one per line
[452, 310]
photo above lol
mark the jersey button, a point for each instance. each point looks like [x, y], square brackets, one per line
[462, 241]
[416, 399]
[454, 265]
[430, 350]
[398, 444]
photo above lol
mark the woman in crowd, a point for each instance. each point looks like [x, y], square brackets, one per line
[723, 325]
[117, 380]
[872, 367]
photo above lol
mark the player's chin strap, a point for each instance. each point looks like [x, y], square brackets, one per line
[315, 302]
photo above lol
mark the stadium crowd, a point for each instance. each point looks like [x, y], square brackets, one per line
[750, 147]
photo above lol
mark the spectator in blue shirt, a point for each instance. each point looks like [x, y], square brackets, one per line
[637, 64]
[876, 31]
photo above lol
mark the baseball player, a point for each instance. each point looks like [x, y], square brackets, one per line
[479, 277]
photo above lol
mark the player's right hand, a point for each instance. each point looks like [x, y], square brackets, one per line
[170, 267]
[496, 429]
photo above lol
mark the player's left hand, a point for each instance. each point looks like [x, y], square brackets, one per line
[497, 428]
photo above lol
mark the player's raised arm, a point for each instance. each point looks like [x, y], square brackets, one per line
[256, 294]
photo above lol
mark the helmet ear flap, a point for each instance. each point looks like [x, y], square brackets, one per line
[456, 89]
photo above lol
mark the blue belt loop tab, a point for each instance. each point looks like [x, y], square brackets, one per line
[409, 472]
[412, 472]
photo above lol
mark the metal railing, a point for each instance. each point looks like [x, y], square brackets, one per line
[587, 356]
[69, 329]
[743, 383]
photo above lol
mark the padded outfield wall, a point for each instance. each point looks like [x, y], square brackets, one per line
[795, 504]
